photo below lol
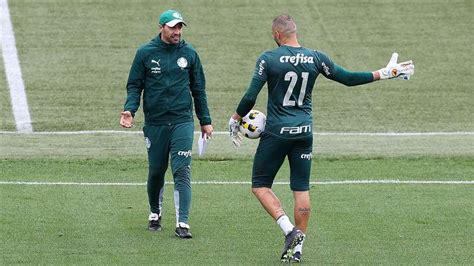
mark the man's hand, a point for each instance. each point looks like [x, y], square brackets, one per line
[234, 130]
[396, 70]
[207, 129]
[126, 120]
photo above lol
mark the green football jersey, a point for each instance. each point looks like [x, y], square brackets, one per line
[291, 73]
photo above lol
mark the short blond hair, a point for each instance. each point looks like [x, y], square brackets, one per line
[284, 24]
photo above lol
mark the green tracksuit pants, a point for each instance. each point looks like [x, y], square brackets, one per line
[163, 142]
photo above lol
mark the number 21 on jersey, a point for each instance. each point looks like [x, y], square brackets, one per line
[292, 77]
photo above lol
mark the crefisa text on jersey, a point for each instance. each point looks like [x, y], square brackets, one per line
[297, 59]
[261, 67]
[296, 130]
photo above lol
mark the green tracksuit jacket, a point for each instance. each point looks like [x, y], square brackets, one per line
[169, 75]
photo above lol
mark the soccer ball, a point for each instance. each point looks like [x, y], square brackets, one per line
[253, 124]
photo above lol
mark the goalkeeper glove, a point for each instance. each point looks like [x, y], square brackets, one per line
[234, 132]
[397, 70]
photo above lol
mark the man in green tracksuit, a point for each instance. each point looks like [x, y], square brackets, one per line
[169, 73]
[290, 72]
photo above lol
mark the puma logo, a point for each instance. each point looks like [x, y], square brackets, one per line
[157, 69]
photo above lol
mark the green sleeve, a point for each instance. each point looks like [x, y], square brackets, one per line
[198, 91]
[337, 73]
[250, 96]
[135, 84]
[349, 78]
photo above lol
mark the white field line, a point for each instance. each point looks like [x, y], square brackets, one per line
[344, 182]
[373, 134]
[13, 71]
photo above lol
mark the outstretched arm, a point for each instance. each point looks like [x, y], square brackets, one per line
[350, 78]
[337, 73]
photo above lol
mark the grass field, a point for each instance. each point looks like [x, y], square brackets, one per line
[76, 56]
[90, 204]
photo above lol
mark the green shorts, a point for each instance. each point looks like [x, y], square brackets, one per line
[271, 153]
[166, 140]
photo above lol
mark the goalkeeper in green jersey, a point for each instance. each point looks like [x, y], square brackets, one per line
[290, 72]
